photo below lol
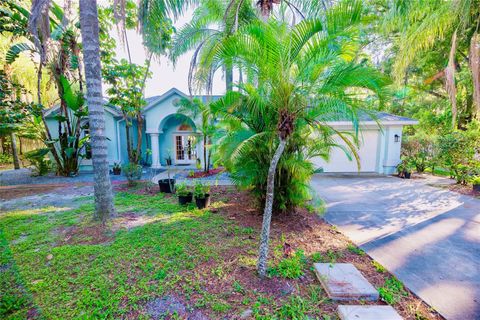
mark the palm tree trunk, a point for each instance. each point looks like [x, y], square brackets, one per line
[91, 52]
[16, 162]
[267, 213]
[229, 78]
[474, 61]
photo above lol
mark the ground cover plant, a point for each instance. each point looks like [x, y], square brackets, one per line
[158, 259]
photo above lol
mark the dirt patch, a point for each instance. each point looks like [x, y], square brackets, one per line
[13, 192]
[166, 307]
[87, 234]
[141, 188]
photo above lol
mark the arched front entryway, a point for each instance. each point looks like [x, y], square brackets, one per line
[175, 143]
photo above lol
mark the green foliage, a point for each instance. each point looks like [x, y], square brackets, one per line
[354, 249]
[379, 267]
[292, 267]
[14, 300]
[5, 158]
[456, 151]
[392, 291]
[13, 111]
[421, 152]
[133, 172]
[200, 190]
[475, 180]
[38, 158]
[181, 189]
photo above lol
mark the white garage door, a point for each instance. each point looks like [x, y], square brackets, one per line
[367, 152]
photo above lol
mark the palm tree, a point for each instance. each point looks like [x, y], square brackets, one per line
[421, 27]
[91, 52]
[212, 21]
[307, 74]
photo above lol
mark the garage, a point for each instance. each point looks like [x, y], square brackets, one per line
[379, 145]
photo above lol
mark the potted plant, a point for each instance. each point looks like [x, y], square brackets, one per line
[202, 195]
[167, 185]
[476, 183]
[184, 195]
[117, 169]
[404, 169]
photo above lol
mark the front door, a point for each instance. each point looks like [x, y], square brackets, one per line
[185, 149]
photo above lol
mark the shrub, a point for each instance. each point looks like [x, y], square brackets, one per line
[5, 158]
[133, 172]
[38, 158]
[420, 151]
[456, 152]
[475, 180]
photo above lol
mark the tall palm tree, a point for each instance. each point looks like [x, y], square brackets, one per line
[307, 74]
[212, 21]
[91, 52]
[421, 27]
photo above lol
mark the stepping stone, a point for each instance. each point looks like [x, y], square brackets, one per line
[343, 281]
[367, 313]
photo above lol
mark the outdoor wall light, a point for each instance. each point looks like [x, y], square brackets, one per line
[397, 138]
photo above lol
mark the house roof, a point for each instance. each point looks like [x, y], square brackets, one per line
[114, 110]
[153, 101]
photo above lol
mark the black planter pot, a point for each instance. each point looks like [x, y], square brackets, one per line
[117, 172]
[202, 203]
[476, 187]
[169, 162]
[407, 175]
[166, 185]
[183, 200]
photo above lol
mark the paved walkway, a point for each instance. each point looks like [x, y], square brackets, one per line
[428, 237]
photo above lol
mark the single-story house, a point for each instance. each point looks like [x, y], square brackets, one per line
[169, 135]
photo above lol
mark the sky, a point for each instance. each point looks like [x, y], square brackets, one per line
[164, 74]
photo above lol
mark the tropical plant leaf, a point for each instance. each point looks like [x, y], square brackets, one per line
[14, 51]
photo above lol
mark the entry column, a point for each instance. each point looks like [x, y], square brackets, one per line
[155, 151]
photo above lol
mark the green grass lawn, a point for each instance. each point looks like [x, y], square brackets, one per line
[56, 264]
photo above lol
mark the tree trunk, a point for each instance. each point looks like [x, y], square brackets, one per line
[267, 213]
[139, 137]
[205, 165]
[229, 78]
[91, 53]
[129, 140]
[16, 162]
[474, 61]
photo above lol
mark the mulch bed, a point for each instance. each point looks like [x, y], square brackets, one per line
[463, 189]
[202, 174]
[312, 234]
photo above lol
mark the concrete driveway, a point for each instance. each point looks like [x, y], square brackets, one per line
[428, 237]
